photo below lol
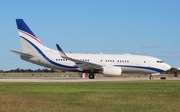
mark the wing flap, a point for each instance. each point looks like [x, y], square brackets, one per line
[86, 65]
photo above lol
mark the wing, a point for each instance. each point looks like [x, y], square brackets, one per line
[82, 64]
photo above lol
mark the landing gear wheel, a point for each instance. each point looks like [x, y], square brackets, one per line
[91, 76]
[151, 77]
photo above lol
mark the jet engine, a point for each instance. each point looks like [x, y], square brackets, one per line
[112, 71]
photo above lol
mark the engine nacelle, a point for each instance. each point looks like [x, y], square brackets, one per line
[112, 71]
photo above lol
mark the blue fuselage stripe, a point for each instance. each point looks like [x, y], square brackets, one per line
[142, 67]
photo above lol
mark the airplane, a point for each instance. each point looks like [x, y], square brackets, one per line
[108, 65]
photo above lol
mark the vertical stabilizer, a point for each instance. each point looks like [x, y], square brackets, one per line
[28, 39]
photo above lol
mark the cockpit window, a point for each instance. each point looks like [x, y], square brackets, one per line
[160, 62]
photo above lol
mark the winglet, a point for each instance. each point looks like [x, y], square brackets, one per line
[62, 54]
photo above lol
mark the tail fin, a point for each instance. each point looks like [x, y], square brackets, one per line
[27, 37]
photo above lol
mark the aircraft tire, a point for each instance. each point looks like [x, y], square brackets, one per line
[151, 77]
[91, 76]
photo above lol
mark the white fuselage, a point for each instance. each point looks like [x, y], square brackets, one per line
[128, 63]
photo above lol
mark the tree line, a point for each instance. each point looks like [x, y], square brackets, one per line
[174, 71]
[18, 70]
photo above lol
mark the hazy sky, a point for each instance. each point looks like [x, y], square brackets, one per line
[146, 27]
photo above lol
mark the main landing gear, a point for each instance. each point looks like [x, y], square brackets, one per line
[151, 77]
[91, 76]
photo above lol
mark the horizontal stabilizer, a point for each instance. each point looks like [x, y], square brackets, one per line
[22, 54]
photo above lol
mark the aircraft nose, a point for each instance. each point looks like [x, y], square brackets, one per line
[167, 67]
